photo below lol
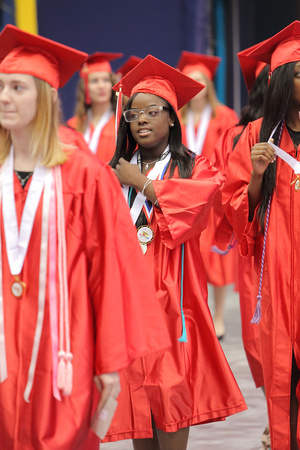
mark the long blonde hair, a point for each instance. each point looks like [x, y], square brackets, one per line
[211, 98]
[44, 139]
[82, 107]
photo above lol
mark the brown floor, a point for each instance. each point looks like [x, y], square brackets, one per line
[241, 431]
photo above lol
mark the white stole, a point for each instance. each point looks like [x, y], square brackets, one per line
[93, 140]
[156, 173]
[195, 141]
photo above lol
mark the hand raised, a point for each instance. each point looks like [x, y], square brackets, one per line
[262, 154]
[127, 173]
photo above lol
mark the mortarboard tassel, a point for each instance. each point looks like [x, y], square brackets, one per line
[183, 337]
[118, 109]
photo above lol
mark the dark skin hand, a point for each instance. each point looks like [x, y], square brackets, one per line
[130, 175]
[262, 154]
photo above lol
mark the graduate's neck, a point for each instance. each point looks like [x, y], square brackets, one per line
[152, 154]
[197, 106]
[292, 119]
[98, 109]
[23, 160]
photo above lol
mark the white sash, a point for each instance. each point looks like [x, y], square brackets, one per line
[93, 140]
[155, 174]
[196, 142]
[292, 162]
[17, 242]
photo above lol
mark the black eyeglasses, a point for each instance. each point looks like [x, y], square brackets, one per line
[151, 112]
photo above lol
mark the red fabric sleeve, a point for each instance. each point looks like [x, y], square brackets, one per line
[128, 318]
[185, 203]
[235, 188]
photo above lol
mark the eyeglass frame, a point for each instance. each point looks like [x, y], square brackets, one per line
[142, 111]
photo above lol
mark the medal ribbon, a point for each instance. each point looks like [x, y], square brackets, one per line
[196, 141]
[92, 141]
[156, 173]
[292, 162]
[17, 242]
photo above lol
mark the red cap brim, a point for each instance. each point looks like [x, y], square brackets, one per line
[282, 48]
[190, 62]
[154, 76]
[68, 59]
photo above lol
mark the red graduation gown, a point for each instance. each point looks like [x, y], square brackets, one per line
[191, 382]
[70, 136]
[107, 142]
[110, 311]
[280, 323]
[247, 296]
[220, 269]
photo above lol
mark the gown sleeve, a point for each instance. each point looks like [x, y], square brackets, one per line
[129, 321]
[185, 202]
[235, 192]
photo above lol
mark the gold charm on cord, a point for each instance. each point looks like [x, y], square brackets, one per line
[17, 287]
[297, 182]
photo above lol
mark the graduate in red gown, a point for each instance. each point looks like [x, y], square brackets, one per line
[169, 191]
[261, 195]
[256, 79]
[95, 105]
[72, 301]
[204, 119]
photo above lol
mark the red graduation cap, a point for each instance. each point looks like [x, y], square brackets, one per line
[97, 62]
[190, 62]
[282, 48]
[153, 76]
[250, 67]
[131, 62]
[23, 52]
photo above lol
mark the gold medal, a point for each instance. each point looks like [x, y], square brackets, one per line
[145, 235]
[17, 287]
[143, 247]
[296, 182]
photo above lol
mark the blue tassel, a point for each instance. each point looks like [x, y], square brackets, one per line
[257, 314]
[183, 337]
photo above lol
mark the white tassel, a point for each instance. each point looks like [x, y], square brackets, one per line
[61, 370]
[69, 375]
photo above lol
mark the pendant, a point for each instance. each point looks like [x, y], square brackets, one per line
[145, 235]
[296, 182]
[17, 287]
[146, 166]
[143, 247]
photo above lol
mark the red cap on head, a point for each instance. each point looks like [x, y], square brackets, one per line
[98, 62]
[190, 62]
[153, 76]
[251, 68]
[131, 62]
[282, 48]
[23, 52]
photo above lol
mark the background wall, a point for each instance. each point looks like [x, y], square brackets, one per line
[162, 28]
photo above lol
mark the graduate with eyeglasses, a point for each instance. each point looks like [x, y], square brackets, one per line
[71, 312]
[169, 191]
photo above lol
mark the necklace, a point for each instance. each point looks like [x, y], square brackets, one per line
[25, 179]
[150, 162]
